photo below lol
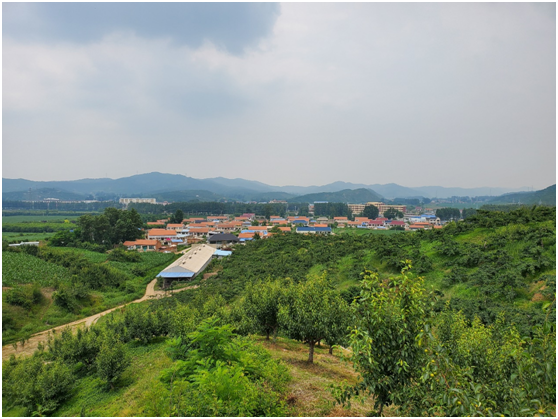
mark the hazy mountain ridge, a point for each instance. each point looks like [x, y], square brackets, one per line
[545, 196]
[353, 196]
[155, 182]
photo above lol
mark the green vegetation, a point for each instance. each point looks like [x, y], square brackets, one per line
[371, 212]
[470, 332]
[23, 268]
[72, 283]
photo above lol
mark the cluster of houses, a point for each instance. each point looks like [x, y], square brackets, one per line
[218, 230]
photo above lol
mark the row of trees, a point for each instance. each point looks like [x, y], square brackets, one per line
[406, 354]
[309, 311]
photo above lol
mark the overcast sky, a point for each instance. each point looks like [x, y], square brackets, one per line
[449, 94]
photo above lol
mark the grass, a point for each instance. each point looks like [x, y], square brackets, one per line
[140, 393]
[309, 389]
[133, 393]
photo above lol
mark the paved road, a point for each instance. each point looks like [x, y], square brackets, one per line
[33, 342]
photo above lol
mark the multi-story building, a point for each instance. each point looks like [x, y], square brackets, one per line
[127, 201]
[384, 207]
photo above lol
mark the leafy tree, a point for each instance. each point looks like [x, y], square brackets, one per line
[177, 217]
[392, 213]
[261, 305]
[448, 213]
[388, 316]
[111, 360]
[310, 311]
[371, 212]
[467, 212]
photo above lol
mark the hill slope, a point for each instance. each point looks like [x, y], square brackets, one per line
[545, 196]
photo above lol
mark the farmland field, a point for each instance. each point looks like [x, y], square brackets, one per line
[17, 237]
[21, 268]
[37, 218]
[148, 260]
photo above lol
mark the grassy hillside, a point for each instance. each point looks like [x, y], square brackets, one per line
[486, 264]
[545, 196]
[34, 281]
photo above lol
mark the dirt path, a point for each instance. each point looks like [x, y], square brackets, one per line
[33, 342]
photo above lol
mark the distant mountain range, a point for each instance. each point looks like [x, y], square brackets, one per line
[170, 187]
[353, 196]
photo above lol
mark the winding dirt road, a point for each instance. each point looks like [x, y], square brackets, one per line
[33, 342]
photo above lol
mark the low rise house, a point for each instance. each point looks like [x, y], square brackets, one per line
[161, 234]
[177, 227]
[223, 239]
[314, 230]
[198, 231]
[143, 245]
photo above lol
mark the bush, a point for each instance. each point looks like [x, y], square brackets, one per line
[121, 255]
[112, 360]
[24, 296]
[38, 386]
[221, 374]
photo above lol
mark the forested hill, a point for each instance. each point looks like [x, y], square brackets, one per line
[354, 196]
[545, 196]
[490, 263]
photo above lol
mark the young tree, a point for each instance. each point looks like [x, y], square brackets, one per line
[310, 309]
[111, 360]
[261, 305]
[389, 316]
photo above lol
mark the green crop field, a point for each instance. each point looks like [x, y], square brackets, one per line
[18, 237]
[20, 268]
[37, 218]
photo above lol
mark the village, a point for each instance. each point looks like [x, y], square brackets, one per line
[223, 231]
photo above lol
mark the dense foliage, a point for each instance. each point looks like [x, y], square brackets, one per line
[470, 332]
[444, 365]
[333, 209]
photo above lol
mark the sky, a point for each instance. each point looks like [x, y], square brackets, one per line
[418, 94]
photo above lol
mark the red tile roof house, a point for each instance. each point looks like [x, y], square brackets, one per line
[375, 223]
[199, 231]
[258, 228]
[217, 218]
[161, 234]
[178, 227]
[285, 229]
[226, 227]
[143, 245]
[397, 223]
